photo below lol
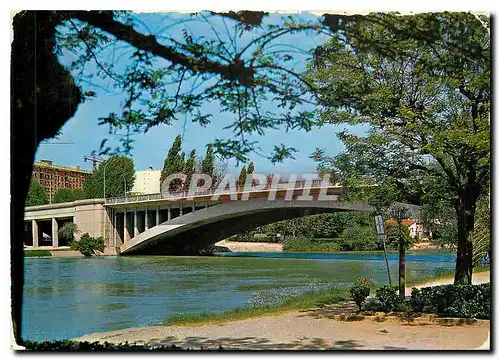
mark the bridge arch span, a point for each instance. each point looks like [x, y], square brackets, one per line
[189, 233]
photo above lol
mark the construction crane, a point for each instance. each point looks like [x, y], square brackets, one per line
[95, 159]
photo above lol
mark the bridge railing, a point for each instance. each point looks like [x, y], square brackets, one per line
[300, 184]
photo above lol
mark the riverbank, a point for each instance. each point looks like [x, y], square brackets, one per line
[308, 328]
[237, 246]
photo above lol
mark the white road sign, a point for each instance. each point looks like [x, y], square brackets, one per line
[380, 225]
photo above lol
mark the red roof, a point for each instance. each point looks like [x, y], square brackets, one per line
[407, 222]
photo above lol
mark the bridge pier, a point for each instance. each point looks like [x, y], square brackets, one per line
[126, 235]
[157, 215]
[146, 219]
[169, 213]
[136, 227]
[55, 233]
[34, 231]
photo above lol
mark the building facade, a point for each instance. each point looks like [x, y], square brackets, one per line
[415, 226]
[147, 181]
[54, 177]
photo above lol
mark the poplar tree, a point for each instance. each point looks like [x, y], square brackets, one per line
[173, 164]
[190, 168]
[243, 177]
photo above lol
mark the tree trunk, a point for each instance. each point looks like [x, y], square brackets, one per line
[43, 98]
[465, 208]
[402, 264]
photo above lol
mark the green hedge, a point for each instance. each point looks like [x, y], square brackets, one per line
[37, 253]
[463, 301]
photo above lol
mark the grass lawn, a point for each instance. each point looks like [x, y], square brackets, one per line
[307, 300]
[37, 253]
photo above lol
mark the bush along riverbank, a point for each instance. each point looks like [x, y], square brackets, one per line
[457, 301]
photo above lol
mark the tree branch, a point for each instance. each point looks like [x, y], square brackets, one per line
[103, 20]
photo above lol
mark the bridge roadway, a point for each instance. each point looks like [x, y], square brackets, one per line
[180, 223]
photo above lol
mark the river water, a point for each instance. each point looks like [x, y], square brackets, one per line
[67, 298]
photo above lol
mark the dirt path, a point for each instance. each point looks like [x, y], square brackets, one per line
[306, 330]
[314, 329]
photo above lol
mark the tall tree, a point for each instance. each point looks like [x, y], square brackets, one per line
[421, 87]
[119, 172]
[251, 168]
[207, 165]
[244, 77]
[242, 178]
[173, 164]
[36, 195]
[400, 214]
[190, 168]
[482, 236]
[68, 195]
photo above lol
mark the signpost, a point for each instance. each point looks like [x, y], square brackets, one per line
[379, 223]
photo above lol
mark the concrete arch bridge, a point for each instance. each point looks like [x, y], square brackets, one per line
[152, 224]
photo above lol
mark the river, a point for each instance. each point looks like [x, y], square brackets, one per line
[67, 298]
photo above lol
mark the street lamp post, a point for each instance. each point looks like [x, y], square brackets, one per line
[125, 189]
[105, 165]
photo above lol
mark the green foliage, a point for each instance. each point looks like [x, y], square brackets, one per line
[393, 234]
[329, 225]
[67, 231]
[360, 291]
[36, 195]
[120, 176]
[37, 253]
[359, 238]
[247, 78]
[68, 195]
[173, 164]
[242, 178]
[463, 301]
[481, 239]
[88, 244]
[189, 168]
[251, 168]
[303, 244]
[85, 346]
[388, 298]
[424, 99]
[208, 162]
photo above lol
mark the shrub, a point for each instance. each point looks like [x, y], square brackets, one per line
[464, 301]
[358, 238]
[360, 291]
[88, 244]
[67, 231]
[372, 304]
[304, 244]
[388, 298]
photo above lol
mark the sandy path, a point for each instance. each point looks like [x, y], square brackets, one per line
[238, 246]
[306, 330]
[312, 329]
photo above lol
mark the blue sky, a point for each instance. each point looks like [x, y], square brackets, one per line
[151, 148]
